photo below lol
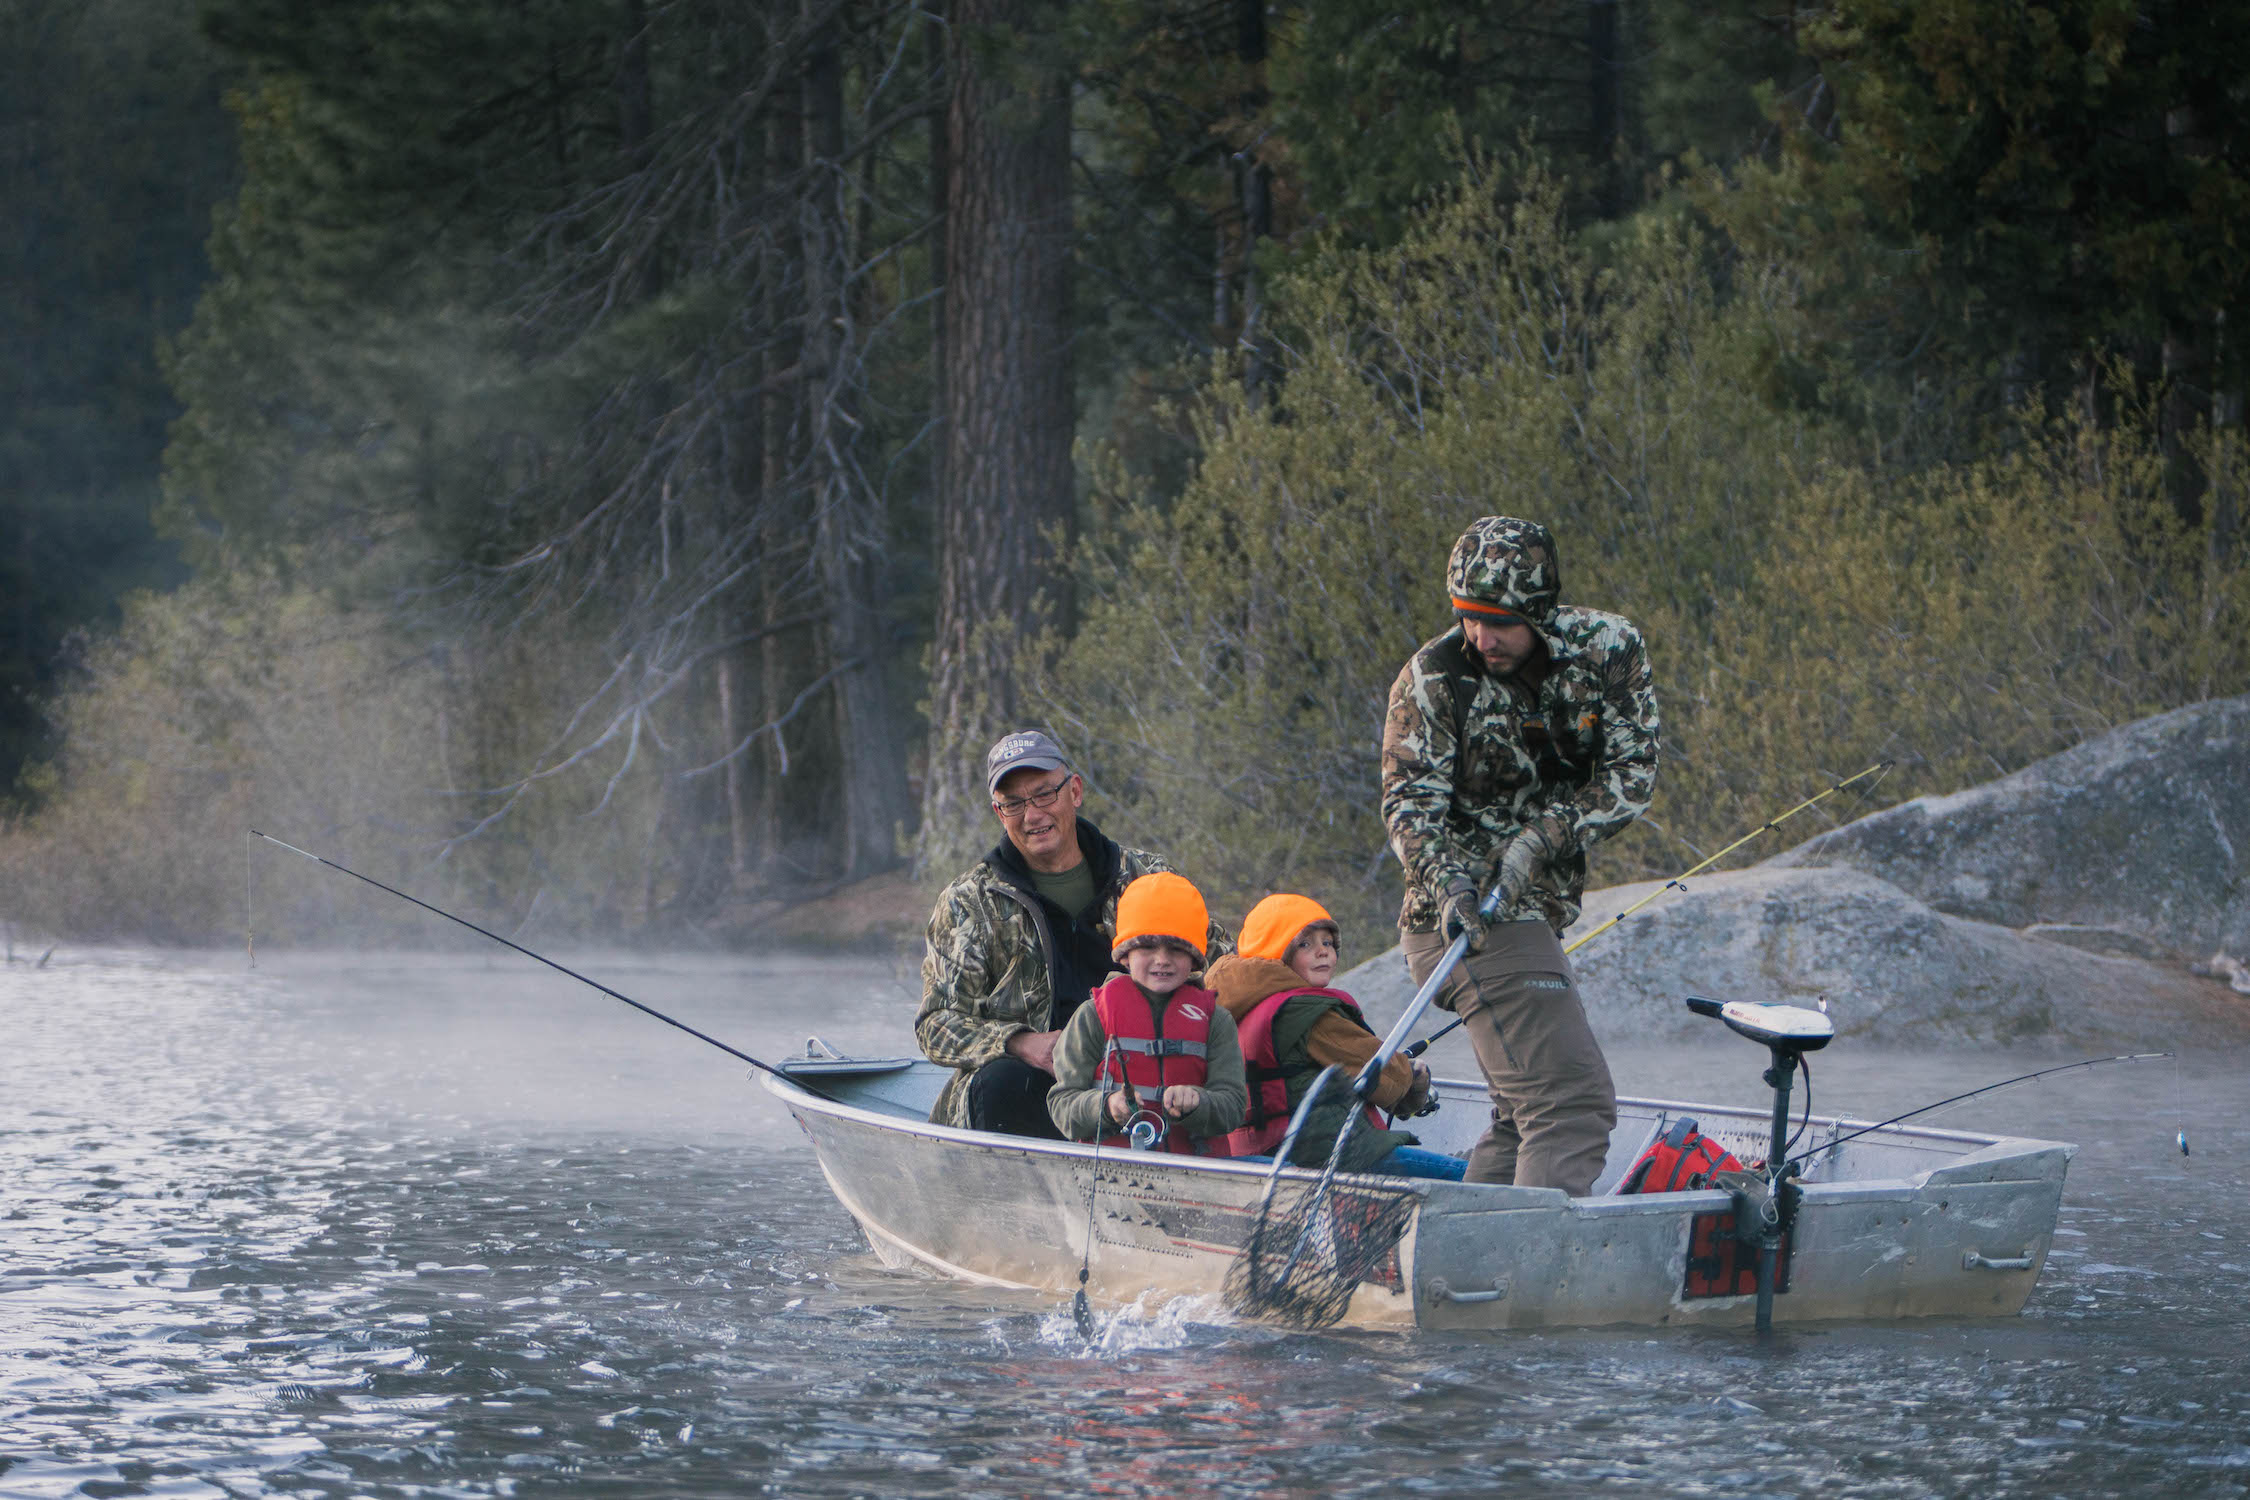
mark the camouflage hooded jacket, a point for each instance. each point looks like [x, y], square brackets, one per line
[1470, 760]
[992, 951]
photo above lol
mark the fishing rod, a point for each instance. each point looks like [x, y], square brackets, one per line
[558, 968]
[1679, 881]
[1082, 1311]
[1144, 1131]
[2091, 1062]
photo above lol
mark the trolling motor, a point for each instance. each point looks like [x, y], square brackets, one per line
[1788, 1032]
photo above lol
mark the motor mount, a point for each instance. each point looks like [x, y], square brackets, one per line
[1787, 1032]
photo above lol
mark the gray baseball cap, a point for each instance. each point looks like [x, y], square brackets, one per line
[1025, 749]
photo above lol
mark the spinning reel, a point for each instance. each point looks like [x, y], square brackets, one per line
[1145, 1129]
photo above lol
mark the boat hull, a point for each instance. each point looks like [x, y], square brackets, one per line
[1002, 1213]
[1963, 1237]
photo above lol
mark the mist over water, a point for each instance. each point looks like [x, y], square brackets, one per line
[357, 1224]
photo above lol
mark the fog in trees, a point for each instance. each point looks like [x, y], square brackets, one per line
[614, 465]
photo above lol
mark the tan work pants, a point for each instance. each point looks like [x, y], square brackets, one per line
[1553, 1105]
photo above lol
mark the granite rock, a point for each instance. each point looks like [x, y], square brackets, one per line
[2144, 831]
[1892, 971]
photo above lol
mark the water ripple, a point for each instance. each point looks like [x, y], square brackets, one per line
[421, 1228]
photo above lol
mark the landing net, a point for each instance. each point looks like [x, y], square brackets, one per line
[1314, 1245]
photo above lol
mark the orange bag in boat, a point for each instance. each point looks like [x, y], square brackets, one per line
[1681, 1160]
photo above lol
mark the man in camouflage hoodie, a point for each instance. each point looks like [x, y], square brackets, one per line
[1019, 939]
[1514, 740]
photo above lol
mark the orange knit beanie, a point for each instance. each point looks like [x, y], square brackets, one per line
[1161, 906]
[1274, 924]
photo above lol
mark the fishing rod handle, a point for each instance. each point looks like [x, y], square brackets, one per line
[1365, 1082]
[1281, 1153]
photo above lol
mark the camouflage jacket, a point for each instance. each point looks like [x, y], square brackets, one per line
[1470, 760]
[990, 957]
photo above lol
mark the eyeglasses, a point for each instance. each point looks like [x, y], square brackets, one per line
[1012, 807]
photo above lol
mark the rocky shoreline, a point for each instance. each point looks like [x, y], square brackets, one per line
[2098, 898]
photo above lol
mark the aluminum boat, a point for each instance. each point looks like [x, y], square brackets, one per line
[1899, 1222]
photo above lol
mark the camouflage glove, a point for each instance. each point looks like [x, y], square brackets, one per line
[1459, 913]
[1520, 863]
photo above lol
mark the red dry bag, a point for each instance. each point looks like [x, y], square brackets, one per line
[1682, 1160]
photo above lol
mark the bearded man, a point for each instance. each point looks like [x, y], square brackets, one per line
[1513, 741]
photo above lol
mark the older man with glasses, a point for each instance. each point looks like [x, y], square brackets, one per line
[1019, 939]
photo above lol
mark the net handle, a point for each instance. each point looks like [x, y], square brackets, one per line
[1364, 1084]
[1281, 1153]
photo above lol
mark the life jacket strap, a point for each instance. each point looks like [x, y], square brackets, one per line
[1160, 1046]
[1257, 1076]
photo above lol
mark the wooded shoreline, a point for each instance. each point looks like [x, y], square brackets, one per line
[625, 461]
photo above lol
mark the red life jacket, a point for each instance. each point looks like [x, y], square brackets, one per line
[1268, 1120]
[1153, 1051]
[1680, 1161]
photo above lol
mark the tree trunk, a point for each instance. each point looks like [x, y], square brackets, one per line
[2187, 362]
[778, 447]
[1008, 408]
[940, 181]
[2184, 409]
[633, 102]
[1254, 192]
[2225, 498]
[848, 522]
[731, 726]
[1602, 103]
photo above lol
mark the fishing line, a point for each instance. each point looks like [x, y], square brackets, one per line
[2179, 1102]
[2091, 1062]
[1082, 1311]
[558, 968]
[1678, 882]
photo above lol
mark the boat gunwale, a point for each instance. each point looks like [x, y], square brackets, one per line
[990, 1140]
[792, 1093]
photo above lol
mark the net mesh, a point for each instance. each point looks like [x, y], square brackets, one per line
[1314, 1245]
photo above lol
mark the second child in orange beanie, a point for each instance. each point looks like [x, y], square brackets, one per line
[1292, 1024]
[1149, 1044]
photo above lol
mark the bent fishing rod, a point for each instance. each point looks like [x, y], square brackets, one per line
[550, 963]
[1679, 881]
[2090, 1062]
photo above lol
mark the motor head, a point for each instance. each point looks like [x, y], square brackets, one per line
[1790, 1027]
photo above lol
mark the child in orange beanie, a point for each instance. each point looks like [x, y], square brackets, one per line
[1292, 1024]
[1149, 1044]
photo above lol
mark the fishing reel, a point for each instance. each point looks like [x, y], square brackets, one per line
[1145, 1130]
[1429, 1105]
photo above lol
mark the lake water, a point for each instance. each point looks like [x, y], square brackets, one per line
[353, 1225]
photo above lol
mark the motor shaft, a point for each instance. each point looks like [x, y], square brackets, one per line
[1775, 1213]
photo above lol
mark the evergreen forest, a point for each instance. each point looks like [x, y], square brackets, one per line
[612, 465]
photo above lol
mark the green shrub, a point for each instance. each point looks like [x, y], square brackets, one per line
[1809, 609]
[238, 703]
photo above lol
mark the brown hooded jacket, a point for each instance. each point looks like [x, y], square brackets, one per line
[1241, 983]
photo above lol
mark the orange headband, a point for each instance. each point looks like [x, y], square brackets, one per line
[1492, 611]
